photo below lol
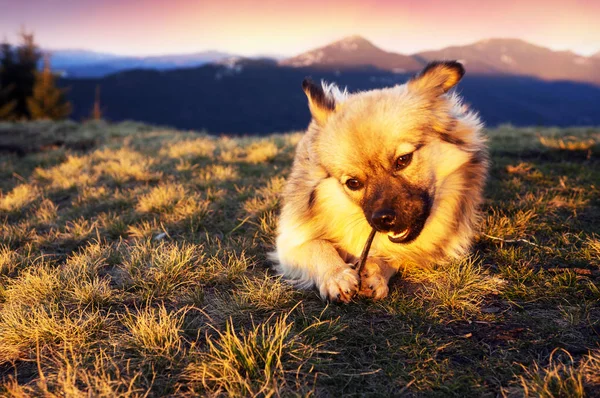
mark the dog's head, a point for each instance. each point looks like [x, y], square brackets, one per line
[389, 147]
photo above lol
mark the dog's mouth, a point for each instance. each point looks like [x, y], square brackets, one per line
[399, 237]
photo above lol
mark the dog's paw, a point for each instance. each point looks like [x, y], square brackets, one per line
[340, 285]
[372, 283]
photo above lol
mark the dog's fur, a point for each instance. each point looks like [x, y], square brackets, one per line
[433, 200]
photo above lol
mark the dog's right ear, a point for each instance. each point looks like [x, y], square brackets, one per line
[320, 103]
[439, 76]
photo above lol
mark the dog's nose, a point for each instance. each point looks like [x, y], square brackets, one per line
[383, 220]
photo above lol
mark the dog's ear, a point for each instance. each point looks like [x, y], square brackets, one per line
[439, 75]
[321, 104]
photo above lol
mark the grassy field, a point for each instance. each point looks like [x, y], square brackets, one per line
[133, 263]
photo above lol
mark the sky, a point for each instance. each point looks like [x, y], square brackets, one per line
[285, 28]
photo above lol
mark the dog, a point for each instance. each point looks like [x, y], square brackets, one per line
[409, 161]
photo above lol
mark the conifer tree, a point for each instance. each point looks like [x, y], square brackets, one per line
[7, 102]
[7, 105]
[47, 101]
[22, 74]
[96, 110]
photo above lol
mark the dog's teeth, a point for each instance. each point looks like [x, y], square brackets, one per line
[399, 235]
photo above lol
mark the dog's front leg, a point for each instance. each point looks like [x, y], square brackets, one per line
[317, 261]
[375, 277]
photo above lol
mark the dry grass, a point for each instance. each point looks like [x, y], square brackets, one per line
[570, 143]
[23, 328]
[47, 211]
[155, 332]
[265, 293]
[457, 289]
[261, 152]
[260, 361]
[75, 375]
[19, 198]
[133, 263]
[124, 165]
[10, 260]
[560, 378]
[191, 148]
[161, 270]
[74, 172]
[161, 199]
[172, 202]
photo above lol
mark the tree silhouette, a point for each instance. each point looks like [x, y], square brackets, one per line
[96, 110]
[7, 102]
[22, 73]
[47, 101]
[7, 107]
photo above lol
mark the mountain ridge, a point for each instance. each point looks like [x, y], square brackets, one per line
[489, 56]
[353, 51]
[494, 56]
[84, 63]
[519, 57]
[262, 97]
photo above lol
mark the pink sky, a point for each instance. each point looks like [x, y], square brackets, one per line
[249, 27]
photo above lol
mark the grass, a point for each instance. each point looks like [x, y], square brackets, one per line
[267, 359]
[133, 263]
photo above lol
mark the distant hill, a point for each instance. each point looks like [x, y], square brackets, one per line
[493, 56]
[82, 63]
[518, 57]
[353, 51]
[73, 57]
[260, 96]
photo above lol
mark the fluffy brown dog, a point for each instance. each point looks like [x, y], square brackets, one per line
[409, 161]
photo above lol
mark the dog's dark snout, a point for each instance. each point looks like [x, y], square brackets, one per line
[384, 219]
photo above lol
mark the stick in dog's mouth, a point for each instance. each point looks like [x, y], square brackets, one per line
[365, 252]
[396, 238]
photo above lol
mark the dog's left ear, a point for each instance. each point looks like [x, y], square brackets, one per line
[439, 75]
[320, 103]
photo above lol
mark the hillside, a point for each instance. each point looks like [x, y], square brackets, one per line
[133, 263]
[517, 57]
[353, 52]
[261, 97]
[507, 81]
[85, 64]
[494, 56]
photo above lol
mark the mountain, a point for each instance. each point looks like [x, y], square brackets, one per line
[81, 63]
[597, 55]
[492, 56]
[518, 57]
[353, 51]
[65, 58]
[260, 96]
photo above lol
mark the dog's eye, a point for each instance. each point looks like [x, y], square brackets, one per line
[353, 184]
[403, 161]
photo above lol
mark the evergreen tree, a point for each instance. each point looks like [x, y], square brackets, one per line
[7, 106]
[23, 74]
[47, 101]
[96, 110]
[7, 102]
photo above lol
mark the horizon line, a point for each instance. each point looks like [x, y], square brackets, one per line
[282, 56]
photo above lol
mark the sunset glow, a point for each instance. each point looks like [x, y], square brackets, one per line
[271, 27]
